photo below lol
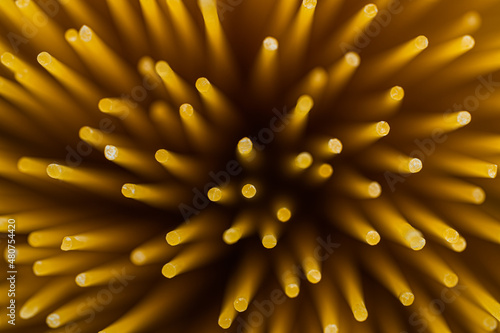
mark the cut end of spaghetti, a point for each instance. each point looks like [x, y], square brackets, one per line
[269, 241]
[421, 42]
[325, 170]
[478, 195]
[383, 128]
[492, 171]
[203, 85]
[53, 320]
[490, 323]
[69, 243]
[451, 235]
[28, 312]
[460, 245]
[82, 279]
[406, 298]
[283, 214]
[335, 146]
[71, 35]
[417, 243]
[111, 152]
[164, 70]
[162, 156]
[372, 237]
[314, 276]
[270, 44]
[225, 322]
[463, 118]
[169, 271]
[105, 105]
[137, 257]
[88, 134]
[468, 42]
[370, 10]
[44, 59]
[240, 304]
[85, 33]
[248, 191]
[245, 146]
[173, 238]
[450, 280]
[360, 312]
[214, 194]
[473, 19]
[55, 171]
[309, 4]
[186, 111]
[292, 290]
[22, 3]
[352, 59]
[415, 165]
[38, 268]
[303, 160]
[24, 164]
[304, 104]
[374, 190]
[129, 190]
[397, 93]
[231, 236]
[7, 59]
[331, 328]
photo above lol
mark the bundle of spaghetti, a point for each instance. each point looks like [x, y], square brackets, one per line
[250, 166]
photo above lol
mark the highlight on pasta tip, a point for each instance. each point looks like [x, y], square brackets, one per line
[249, 166]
